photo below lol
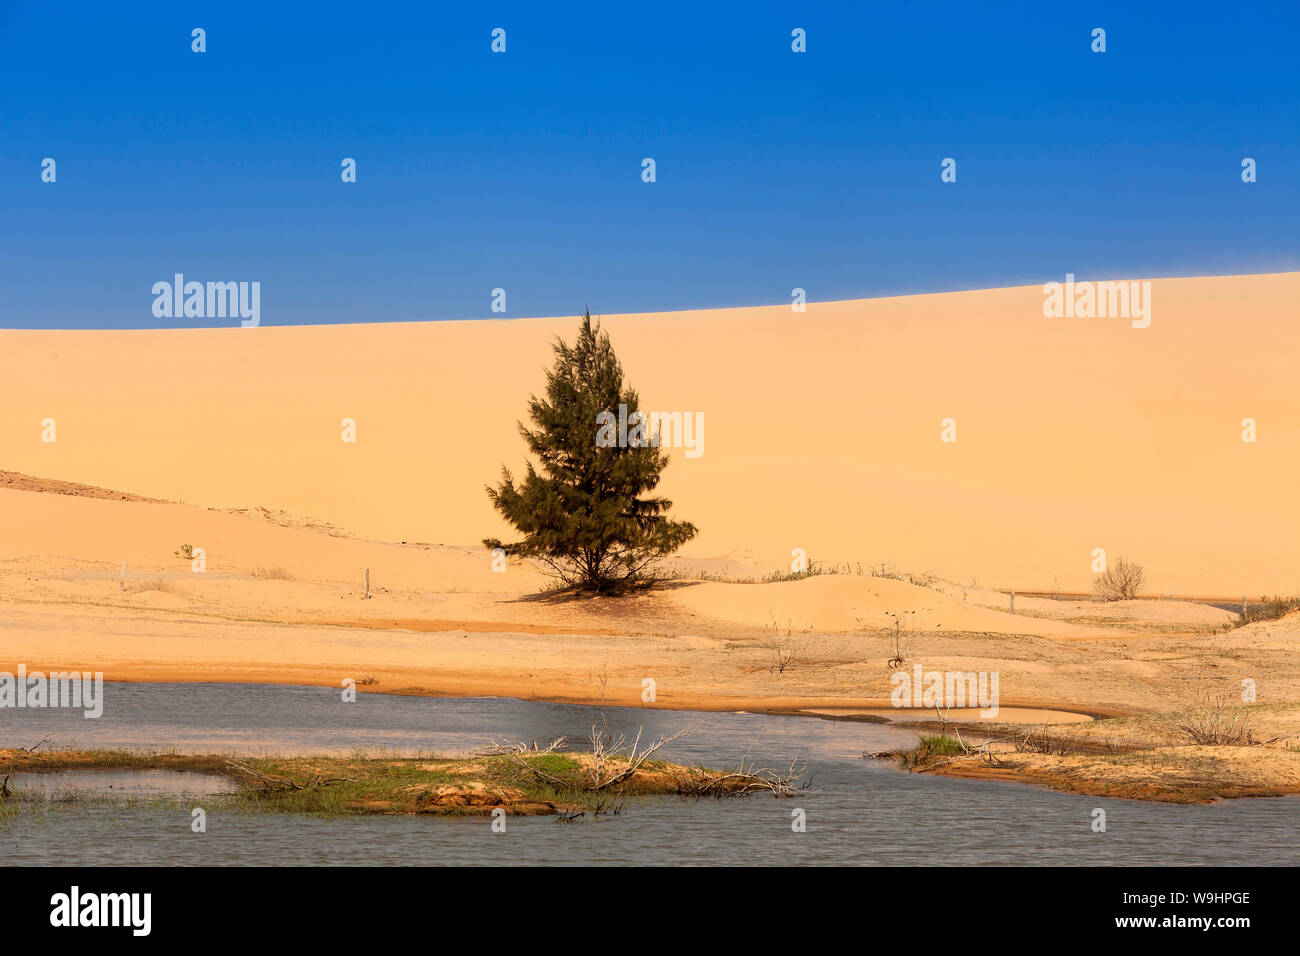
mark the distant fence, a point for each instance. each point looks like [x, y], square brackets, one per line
[1226, 603]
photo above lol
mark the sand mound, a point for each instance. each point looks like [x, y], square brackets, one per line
[265, 569]
[70, 534]
[852, 602]
[1287, 626]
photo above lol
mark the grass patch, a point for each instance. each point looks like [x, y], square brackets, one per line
[154, 584]
[276, 573]
[932, 747]
[816, 569]
[536, 783]
[941, 745]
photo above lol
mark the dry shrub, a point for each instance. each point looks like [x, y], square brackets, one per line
[154, 584]
[1211, 722]
[1269, 609]
[1121, 581]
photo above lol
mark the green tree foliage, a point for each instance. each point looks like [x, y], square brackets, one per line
[586, 515]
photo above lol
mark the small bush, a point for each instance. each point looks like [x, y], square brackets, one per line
[273, 574]
[940, 745]
[933, 748]
[1121, 581]
[1037, 740]
[1210, 722]
[154, 584]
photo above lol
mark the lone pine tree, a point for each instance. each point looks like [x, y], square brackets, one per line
[584, 516]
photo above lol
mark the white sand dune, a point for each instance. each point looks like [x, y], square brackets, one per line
[822, 428]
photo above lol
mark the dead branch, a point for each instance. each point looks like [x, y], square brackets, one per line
[501, 748]
[271, 783]
[786, 655]
[943, 717]
[700, 782]
[605, 749]
[1277, 738]
[900, 640]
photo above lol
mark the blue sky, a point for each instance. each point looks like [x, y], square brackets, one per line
[523, 170]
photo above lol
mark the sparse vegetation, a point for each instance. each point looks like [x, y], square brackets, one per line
[786, 651]
[1038, 740]
[785, 655]
[812, 569]
[1211, 721]
[186, 551]
[941, 745]
[931, 748]
[900, 640]
[154, 584]
[518, 778]
[1121, 581]
[1269, 609]
[816, 569]
[276, 573]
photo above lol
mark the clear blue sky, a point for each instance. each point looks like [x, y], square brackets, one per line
[775, 169]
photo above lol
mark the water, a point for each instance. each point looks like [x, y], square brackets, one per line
[859, 812]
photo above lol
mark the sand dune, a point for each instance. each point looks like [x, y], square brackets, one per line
[822, 429]
[63, 548]
[849, 603]
[146, 536]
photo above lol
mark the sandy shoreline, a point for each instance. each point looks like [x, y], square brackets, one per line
[437, 685]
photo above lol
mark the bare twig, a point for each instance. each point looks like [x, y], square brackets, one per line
[1210, 722]
[606, 749]
[499, 748]
[272, 783]
[700, 782]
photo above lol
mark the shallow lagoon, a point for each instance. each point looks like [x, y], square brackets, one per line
[858, 812]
